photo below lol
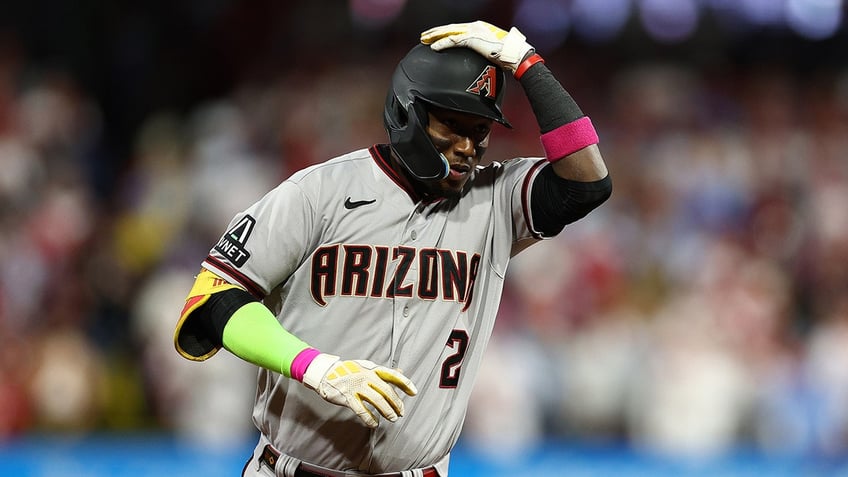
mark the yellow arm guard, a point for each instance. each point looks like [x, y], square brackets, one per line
[252, 332]
[190, 343]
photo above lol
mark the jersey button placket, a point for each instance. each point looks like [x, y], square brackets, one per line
[415, 217]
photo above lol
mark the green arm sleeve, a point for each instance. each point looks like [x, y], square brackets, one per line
[254, 335]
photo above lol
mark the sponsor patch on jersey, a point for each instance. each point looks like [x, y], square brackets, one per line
[232, 244]
[486, 83]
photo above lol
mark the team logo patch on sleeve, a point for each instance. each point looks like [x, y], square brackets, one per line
[232, 244]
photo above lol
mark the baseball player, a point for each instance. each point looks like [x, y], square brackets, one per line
[366, 287]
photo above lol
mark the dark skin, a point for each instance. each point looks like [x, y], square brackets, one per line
[463, 139]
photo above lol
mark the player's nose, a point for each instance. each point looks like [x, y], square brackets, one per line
[464, 147]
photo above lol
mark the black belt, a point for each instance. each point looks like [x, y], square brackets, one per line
[269, 457]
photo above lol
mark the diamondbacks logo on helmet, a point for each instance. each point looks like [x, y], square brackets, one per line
[486, 83]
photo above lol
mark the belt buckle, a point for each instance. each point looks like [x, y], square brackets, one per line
[269, 457]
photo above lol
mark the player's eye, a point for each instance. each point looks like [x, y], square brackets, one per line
[481, 132]
[451, 124]
[484, 140]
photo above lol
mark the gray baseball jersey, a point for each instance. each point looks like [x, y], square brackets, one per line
[353, 262]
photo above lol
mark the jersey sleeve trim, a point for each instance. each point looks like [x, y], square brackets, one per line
[526, 193]
[226, 271]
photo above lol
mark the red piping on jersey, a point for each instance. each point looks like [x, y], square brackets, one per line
[386, 165]
[525, 196]
[241, 278]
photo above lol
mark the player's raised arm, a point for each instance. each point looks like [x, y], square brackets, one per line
[219, 314]
[577, 181]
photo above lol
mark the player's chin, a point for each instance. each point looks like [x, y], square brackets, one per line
[451, 188]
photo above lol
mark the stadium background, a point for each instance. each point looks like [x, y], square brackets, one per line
[697, 324]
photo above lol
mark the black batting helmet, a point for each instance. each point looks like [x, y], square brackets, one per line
[457, 79]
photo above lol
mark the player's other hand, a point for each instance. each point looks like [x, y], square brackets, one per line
[353, 383]
[504, 48]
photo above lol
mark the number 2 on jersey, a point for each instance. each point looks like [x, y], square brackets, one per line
[458, 340]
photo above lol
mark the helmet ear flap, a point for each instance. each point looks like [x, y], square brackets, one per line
[400, 114]
[394, 115]
[413, 146]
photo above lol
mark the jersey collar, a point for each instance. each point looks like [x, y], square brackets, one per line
[382, 156]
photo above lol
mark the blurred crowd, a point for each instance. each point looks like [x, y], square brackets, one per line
[704, 306]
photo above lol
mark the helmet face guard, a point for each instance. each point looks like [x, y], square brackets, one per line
[456, 79]
[414, 148]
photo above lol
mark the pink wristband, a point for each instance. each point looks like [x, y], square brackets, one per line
[302, 361]
[569, 138]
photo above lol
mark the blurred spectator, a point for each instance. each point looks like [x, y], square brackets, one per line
[67, 382]
[202, 406]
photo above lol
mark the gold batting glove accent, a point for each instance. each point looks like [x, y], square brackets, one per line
[352, 383]
[504, 48]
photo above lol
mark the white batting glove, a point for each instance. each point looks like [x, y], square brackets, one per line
[352, 383]
[505, 49]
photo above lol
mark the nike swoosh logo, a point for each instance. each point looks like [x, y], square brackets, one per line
[350, 204]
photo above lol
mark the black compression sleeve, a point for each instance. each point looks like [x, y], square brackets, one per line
[551, 103]
[212, 316]
[556, 202]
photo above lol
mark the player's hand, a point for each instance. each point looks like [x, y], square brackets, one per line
[504, 48]
[353, 383]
